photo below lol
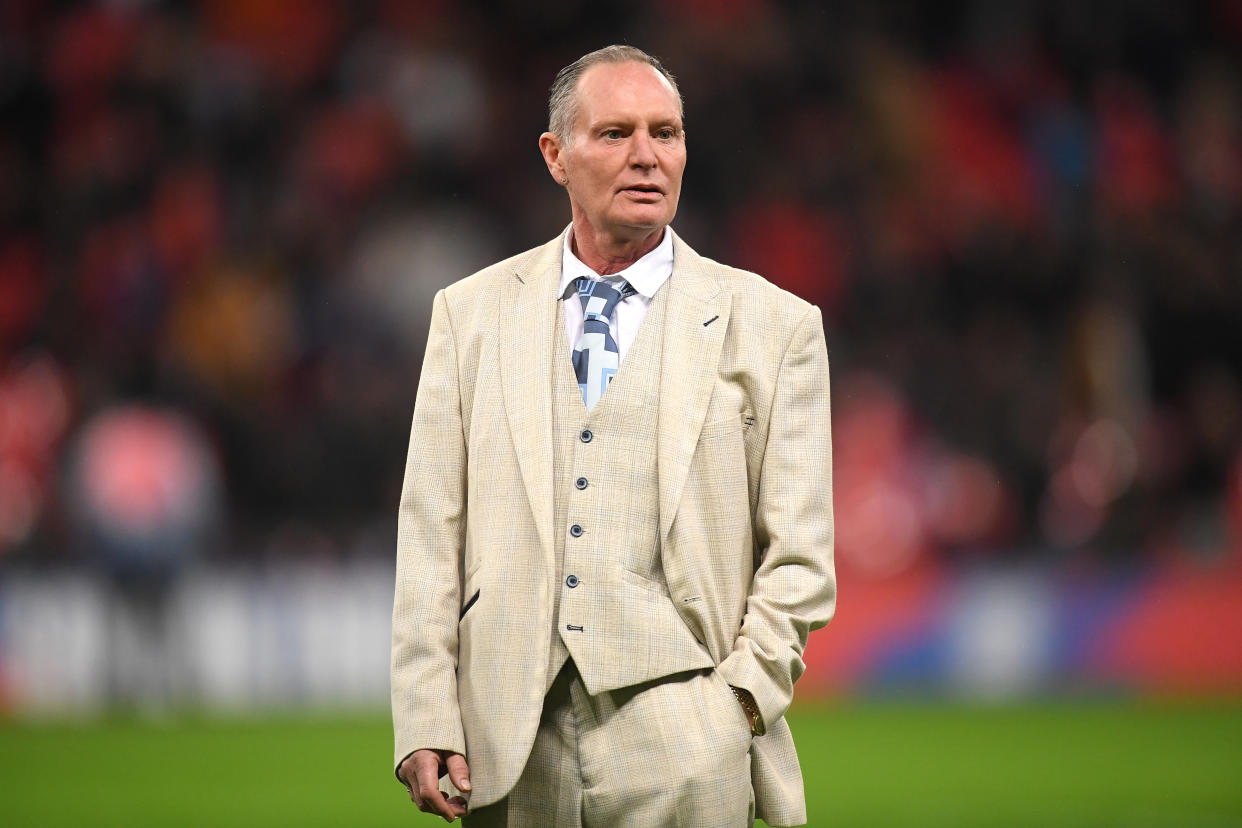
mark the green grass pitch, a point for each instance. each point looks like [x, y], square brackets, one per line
[1058, 764]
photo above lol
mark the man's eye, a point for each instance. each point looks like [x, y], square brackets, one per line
[666, 134]
[612, 133]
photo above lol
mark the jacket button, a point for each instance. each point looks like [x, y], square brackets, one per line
[586, 435]
[571, 581]
[575, 530]
[581, 482]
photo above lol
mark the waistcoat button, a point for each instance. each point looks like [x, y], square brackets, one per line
[586, 435]
[575, 530]
[581, 482]
[571, 581]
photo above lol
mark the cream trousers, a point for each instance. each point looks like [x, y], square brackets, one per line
[672, 752]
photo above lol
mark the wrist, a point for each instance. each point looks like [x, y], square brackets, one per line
[751, 708]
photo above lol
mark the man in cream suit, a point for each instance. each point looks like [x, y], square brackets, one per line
[616, 526]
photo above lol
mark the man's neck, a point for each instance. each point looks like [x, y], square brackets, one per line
[606, 255]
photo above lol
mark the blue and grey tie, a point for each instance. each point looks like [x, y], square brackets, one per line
[595, 355]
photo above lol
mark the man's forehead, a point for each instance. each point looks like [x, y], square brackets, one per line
[614, 82]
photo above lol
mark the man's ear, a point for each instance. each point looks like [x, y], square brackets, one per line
[550, 146]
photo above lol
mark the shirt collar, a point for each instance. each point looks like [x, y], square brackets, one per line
[646, 275]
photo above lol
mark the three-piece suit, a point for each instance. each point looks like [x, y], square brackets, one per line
[683, 526]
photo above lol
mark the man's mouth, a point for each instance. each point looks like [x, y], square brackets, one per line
[650, 189]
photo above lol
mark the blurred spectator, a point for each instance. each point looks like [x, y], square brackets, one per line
[143, 490]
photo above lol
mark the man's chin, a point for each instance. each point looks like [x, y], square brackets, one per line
[644, 221]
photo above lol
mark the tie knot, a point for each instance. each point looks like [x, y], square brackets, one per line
[600, 298]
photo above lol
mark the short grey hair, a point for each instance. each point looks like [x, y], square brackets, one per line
[563, 97]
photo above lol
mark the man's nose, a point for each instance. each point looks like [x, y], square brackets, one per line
[642, 150]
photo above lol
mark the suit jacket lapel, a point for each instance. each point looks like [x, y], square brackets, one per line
[696, 319]
[527, 324]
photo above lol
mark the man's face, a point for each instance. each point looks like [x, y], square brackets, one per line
[627, 151]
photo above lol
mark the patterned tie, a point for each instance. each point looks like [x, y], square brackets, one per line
[595, 355]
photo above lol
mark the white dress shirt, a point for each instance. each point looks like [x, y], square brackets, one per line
[646, 275]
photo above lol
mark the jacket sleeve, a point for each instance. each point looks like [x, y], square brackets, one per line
[430, 537]
[794, 586]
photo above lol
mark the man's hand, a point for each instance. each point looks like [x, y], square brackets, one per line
[421, 774]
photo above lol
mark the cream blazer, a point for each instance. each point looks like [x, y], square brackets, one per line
[744, 493]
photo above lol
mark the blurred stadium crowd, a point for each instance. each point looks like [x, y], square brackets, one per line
[222, 225]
